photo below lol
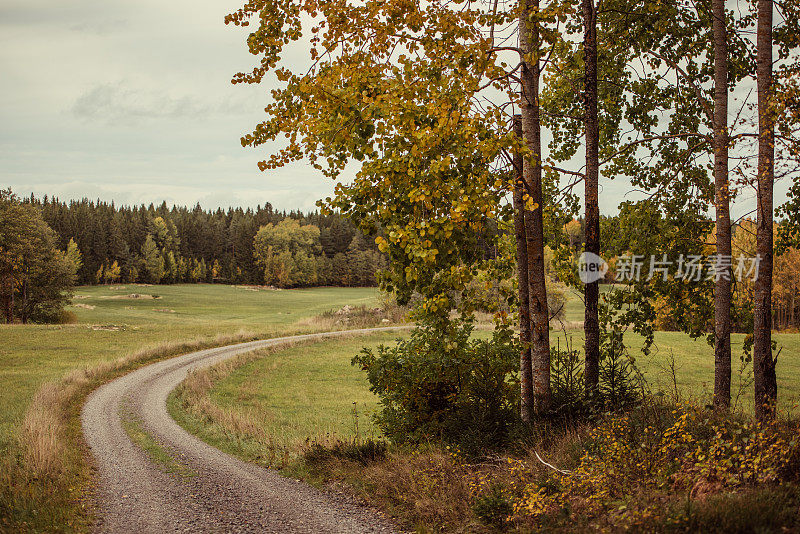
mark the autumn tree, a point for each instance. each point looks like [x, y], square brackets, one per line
[36, 276]
[675, 114]
[286, 253]
[153, 260]
[573, 231]
[403, 89]
[591, 121]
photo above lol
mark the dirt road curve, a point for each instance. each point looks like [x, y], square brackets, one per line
[220, 493]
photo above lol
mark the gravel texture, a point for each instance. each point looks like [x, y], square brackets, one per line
[220, 493]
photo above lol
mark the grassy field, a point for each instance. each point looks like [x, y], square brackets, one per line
[306, 391]
[694, 360]
[112, 323]
[694, 366]
[275, 401]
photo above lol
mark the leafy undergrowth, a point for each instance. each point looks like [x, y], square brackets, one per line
[655, 469]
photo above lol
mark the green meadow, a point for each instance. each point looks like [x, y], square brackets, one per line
[111, 322]
[307, 391]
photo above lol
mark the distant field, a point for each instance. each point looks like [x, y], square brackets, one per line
[111, 323]
[694, 364]
[694, 360]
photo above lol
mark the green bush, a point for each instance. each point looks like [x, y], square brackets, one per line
[441, 385]
[494, 507]
[620, 382]
[621, 385]
[566, 378]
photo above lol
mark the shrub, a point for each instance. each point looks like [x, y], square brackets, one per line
[634, 461]
[566, 378]
[440, 384]
[494, 506]
[66, 317]
[621, 385]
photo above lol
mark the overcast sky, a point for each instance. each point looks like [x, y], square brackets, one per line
[131, 101]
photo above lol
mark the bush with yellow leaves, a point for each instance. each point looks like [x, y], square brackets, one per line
[640, 468]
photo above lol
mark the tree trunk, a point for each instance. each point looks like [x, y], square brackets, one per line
[525, 369]
[591, 323]
[8, 298]
[766, 387]
[722, 287]
[24, 307]
[534, 226]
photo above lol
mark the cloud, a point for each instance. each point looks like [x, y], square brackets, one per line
[112, 102]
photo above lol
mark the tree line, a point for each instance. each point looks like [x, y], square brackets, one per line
[163, 245]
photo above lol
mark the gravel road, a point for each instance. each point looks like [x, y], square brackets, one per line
[220, 493]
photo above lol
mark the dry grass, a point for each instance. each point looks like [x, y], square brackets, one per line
[194, 393]
[429, 489]
[351, 317]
